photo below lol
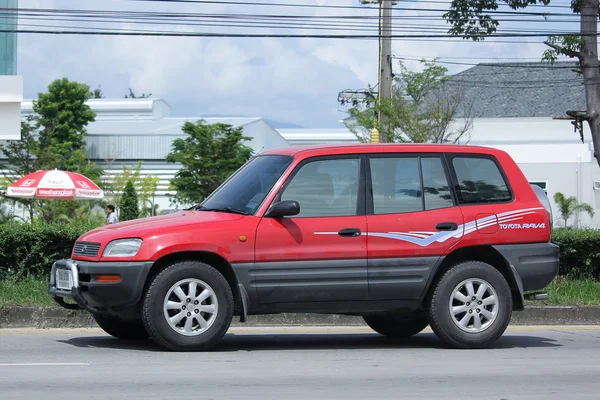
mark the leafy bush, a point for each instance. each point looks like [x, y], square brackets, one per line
[579, 252]
[29, 250]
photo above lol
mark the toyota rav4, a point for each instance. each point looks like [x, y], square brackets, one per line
[405, 236]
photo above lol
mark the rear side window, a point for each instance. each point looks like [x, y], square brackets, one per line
[480, 181]
[409, 184]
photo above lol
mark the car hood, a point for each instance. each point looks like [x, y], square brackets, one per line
[145, 227]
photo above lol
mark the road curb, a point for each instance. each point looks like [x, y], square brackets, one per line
[47, 317]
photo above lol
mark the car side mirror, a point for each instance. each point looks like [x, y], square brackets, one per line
[286, 208]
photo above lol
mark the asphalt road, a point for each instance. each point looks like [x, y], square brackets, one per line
[346, 363]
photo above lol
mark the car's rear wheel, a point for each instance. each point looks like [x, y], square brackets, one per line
[120, 328]
[397, 326]
[188, 307]
[471, 305]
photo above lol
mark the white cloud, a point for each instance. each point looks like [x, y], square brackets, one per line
[295, 80]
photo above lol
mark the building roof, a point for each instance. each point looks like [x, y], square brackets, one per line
[529, 89]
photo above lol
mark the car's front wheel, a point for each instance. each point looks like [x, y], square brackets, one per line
[471, 305]
[188, 306]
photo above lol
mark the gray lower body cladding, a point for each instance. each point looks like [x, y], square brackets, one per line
[342, 286]
[536, 264]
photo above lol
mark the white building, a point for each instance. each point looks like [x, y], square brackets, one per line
[515, 117]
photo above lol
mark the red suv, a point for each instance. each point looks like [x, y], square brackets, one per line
[405, 236]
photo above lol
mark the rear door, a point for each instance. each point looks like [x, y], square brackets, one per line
[413, 220]
[319, 255]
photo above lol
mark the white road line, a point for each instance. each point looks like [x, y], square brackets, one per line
[41, 364]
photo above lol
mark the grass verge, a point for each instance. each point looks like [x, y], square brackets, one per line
[562, 292]
[27, 292]
[570, 292]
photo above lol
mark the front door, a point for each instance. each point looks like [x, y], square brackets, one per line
[412, 221]
[319, 255]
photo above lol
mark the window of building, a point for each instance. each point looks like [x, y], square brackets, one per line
[480, 181]
[326, 188]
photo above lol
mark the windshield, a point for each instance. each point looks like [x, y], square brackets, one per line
[248, 187]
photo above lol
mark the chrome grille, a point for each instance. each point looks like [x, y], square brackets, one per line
[86, 249]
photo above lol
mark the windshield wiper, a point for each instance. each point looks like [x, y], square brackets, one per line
[222, 209]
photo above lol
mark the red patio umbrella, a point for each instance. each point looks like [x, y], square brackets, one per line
[55, 185]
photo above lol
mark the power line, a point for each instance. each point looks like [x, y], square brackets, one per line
[255, 25]
[281, 35]
[298, 5]
[83, 13]
[427, 10]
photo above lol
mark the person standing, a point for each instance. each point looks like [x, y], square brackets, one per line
[112, 216]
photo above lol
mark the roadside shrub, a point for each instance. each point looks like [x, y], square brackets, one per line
[29, 250]
[579, 252]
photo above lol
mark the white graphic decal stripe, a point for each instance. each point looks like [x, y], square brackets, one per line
[424, 239]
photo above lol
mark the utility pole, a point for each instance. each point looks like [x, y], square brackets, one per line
[385, 59]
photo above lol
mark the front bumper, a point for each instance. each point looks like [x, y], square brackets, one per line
[94, 296]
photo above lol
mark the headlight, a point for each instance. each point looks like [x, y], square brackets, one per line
[122, 248]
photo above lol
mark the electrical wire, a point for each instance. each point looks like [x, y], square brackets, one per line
[120, 14]
[113, 32]
[507, 32]
[308, 6]
[201, 22]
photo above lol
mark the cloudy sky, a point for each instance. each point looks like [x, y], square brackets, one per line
[291, 80]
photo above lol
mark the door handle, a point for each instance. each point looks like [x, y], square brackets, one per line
[349, 232]
[446, 226]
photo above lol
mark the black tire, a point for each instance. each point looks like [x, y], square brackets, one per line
[154, 317]
[121, 329]
[397, 326]
[442, 320]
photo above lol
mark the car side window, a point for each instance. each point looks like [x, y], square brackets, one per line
[435, 184]
[480, 181]
[396, 185]
[325, 188]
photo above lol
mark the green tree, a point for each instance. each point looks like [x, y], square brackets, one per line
[62, 117]
[475, 20]
[568, 206]
[209, 155]
[20, 160]
[129, 206]
[423, 109]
